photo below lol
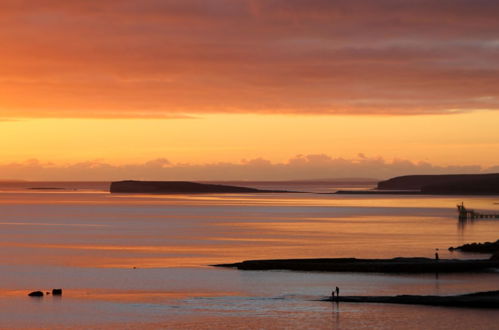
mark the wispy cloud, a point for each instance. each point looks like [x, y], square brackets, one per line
[300, 167]
[152, 58]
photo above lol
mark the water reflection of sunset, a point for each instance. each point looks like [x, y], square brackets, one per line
[148, 231]
[300, 98]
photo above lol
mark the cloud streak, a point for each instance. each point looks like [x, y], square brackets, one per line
[151, 58]
[317, 166]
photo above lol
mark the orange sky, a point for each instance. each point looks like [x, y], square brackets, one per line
[203, 82]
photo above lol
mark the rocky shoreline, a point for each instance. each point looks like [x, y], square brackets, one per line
[395, 265]
[486, 247]
[488, 299]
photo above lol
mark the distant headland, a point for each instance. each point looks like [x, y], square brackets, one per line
[180, 187]
[446, 184]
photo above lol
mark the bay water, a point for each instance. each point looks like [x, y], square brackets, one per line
[143, 261]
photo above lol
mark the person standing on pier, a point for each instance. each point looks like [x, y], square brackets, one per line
[436, 255]
[337, 293]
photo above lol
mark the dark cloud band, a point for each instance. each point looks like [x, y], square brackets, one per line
[152, 58]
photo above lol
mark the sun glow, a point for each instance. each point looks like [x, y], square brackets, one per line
[440, 139]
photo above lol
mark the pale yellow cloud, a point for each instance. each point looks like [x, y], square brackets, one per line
[255, 140]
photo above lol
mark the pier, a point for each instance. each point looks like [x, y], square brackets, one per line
[465, 213]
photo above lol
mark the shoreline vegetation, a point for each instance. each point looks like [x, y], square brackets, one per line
[488, 299]
[395, 265]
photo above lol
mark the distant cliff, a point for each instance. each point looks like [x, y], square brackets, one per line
[445, 184]
[177, 187]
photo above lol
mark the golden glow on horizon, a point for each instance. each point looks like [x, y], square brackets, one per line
[460, 139]
[241, 88]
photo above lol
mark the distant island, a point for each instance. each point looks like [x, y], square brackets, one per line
[395, 265]
[180, 187]
[451, 184]
[444, 184]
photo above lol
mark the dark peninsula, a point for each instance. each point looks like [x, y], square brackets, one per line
[179, 187]
[449, 184]
[489, 299]
[395, 265]
[444, 184]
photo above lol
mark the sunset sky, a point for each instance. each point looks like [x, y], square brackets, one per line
[247, 89]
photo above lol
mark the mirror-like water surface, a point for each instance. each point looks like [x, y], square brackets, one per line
[142, 261]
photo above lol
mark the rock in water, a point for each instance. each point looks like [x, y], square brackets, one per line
[36, 294]
[57, 292]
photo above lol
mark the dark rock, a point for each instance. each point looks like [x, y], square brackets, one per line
[487, 247]
[36, 294]
[57, 292]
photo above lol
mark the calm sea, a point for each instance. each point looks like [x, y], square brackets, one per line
[142, 261]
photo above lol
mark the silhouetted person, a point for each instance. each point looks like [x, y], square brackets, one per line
[332, 295]
[436, 255]
[337, 293]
